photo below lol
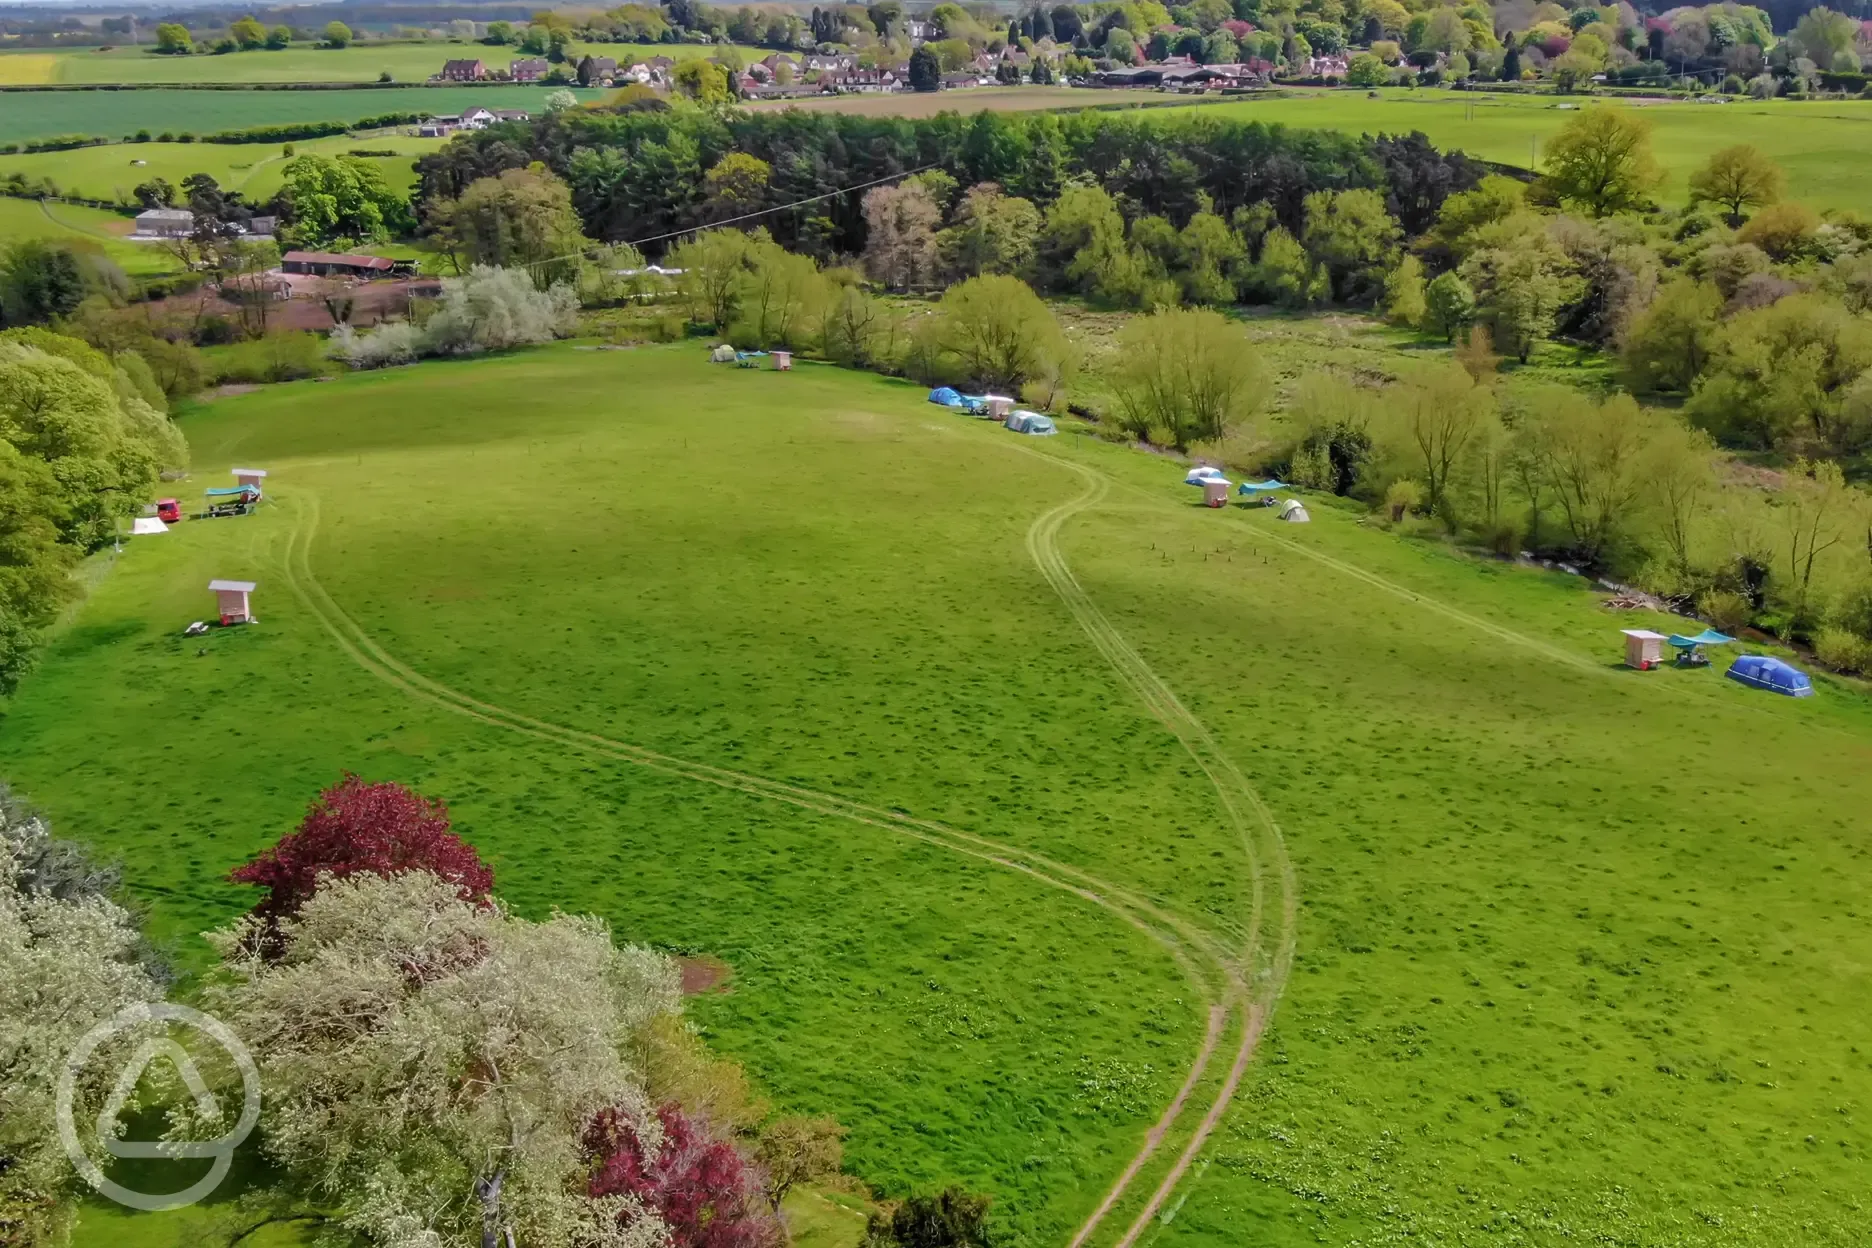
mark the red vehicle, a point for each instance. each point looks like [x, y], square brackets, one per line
[169, 510]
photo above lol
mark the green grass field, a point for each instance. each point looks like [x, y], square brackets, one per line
[110, 172]
[1820, 144]
[361, 62]
[24, 218]
[954, 745]
[112, 114]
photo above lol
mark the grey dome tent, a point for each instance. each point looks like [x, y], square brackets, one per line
[1293, 512]
[1022, 421]
[723, 354]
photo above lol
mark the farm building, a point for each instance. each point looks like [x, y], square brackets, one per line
[463, 71]
[335, 264]
[164, 223]
[529, 69]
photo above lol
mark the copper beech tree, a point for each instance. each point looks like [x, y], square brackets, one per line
[357, 827]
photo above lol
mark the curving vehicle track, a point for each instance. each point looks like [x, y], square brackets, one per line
[1240, 979]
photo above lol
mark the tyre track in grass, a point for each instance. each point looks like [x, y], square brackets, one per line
[1213, 970]
[1266, 959]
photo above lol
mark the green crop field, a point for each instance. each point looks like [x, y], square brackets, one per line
[361, 62]
[25, 218]
[28, 115]
[984, 762]
[111, 171]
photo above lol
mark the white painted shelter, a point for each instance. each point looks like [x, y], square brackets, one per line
[1215, 491]
[231, 600]
[1644, 649]
[999, 405]
[255, 477]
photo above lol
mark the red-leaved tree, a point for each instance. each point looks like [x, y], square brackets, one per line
[354, 827]
[701, 1186]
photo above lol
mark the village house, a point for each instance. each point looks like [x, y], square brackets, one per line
[860, 81]
[472, 119]
[463, 71]
[597, 70]
[528, 69]
[918, 30]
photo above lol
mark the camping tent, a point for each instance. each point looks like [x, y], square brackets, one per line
[1196, 476]
[1291, 510]
[1760, 671]
[945, 396]
[1023, 421]
[723, 354]
[145, 525]
[1251, 488]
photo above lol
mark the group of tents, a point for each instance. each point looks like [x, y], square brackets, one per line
[1644, 650]
[994, 407]
[1215, 488]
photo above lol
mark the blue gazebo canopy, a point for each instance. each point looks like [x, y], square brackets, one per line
[1708, 637]
[1250, 487]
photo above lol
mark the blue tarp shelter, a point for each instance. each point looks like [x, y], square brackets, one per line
[1257, 487]
[945, 396]
[1760, 671]
[1708, 637]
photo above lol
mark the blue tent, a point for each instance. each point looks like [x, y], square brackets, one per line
[945, 396]
[1759, 671]
[1252, 487]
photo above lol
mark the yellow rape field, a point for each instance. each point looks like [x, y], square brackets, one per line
[27, 69]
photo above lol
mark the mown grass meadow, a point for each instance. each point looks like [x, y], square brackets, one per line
[1581, 950]
[25, 218]
[112, 171]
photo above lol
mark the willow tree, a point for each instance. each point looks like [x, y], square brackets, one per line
[1186, 374]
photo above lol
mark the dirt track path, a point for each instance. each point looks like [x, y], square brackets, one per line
[1264, 963]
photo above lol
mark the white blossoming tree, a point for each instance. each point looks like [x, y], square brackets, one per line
[67, 963]
[430, 1064]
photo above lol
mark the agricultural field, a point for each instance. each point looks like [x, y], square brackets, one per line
[1017, 789]
[111, 171]
[1819, 144]
[25, 218]
[26, 115]
[361, 62]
